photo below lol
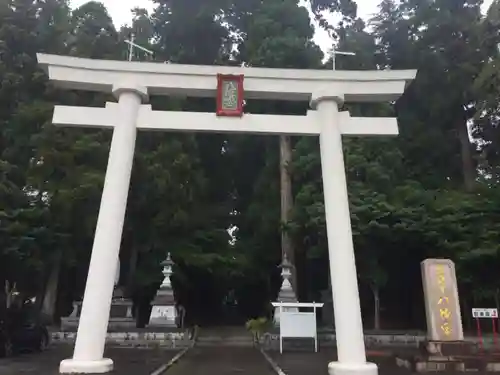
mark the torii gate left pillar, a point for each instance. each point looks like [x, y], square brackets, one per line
[326, 90]
[94, 317]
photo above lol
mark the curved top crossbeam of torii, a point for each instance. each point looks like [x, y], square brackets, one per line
[201, 81]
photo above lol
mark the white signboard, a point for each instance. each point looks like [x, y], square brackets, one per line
[298, 325]
[484, 313]
[295, 324]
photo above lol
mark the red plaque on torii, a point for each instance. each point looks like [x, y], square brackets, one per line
[230, 95]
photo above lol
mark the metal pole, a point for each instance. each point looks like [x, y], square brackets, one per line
[495, 337]
[335, 53]
[479, 335]
[131, 48]
[133, 45]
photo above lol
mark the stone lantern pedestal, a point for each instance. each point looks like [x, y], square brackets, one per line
[163, 313]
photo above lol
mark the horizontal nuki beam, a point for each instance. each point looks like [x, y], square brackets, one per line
[210, 122]
[201, 80]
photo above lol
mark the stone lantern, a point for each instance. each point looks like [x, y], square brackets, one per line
[167, 272]
[163, 312]
[286, 294]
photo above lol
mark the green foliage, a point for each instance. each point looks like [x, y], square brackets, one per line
[257, 327]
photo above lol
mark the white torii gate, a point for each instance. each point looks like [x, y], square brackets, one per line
[132, 82]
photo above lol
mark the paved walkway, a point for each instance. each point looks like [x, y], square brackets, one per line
[310, 363]
[222, 361]
[128, 361]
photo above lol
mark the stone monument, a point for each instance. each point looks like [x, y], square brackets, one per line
[445, 348]
[163, 313]
[120, 314]
[286, 293]
[70, 323]
[442, 307]
[327, 320]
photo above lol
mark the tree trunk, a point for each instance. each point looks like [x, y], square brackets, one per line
[468, 167]
[287, 203]
[376, 305]
[3, 300]
[134, 255]
[50, 297]
[465, 312]
[10, 290]
[8, 293]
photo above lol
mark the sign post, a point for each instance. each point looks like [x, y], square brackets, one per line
[295, 324]
[485, 314]
[495, 337]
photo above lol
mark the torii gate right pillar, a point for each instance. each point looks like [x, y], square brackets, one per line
[348, 323]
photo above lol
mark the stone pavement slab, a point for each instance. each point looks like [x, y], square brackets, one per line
[128, 361]
[222, 361]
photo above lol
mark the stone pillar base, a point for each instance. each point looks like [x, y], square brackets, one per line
[163, 316]
[439, 366]
[337, 368]
[72, 366]
[449, 348]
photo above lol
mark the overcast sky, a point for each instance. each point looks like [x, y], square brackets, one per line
[120, 9]
[120, 12]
